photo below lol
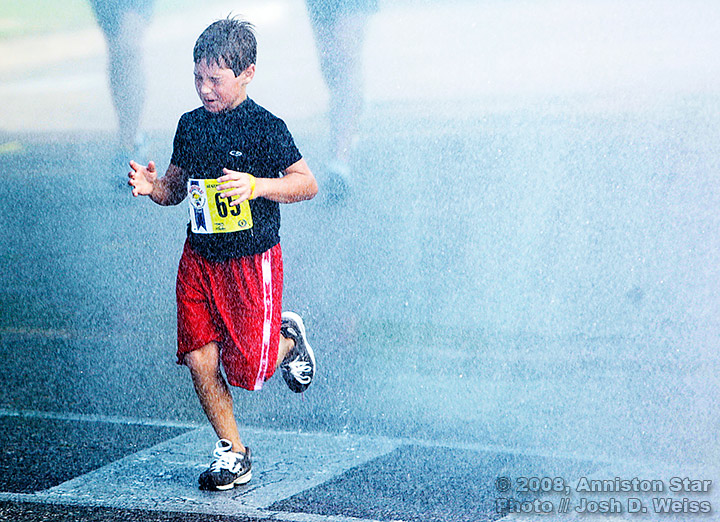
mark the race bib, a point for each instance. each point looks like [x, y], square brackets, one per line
[212, 214]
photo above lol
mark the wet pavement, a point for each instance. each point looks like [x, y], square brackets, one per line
[296, 475]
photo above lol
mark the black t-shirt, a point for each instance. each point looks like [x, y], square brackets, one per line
[246, 139]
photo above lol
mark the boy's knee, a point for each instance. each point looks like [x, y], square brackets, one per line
[203, 360]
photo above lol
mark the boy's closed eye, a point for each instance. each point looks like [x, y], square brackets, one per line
[214, 79]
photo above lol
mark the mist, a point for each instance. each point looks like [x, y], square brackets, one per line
[528, 258]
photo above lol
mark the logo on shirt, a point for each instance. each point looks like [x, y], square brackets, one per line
[236, 153]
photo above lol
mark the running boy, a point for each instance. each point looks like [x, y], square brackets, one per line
[236, 162]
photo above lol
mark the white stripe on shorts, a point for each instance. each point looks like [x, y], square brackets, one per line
[267, 319]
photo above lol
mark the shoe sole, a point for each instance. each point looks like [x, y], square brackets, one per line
[301, 325]
[244, 479]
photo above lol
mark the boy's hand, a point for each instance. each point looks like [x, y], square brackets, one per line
[238, 185]
[142, 178]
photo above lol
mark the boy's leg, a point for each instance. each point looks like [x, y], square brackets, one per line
[213, 392]
[231, 465]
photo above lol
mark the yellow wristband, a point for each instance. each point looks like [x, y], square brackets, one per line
[252, 186]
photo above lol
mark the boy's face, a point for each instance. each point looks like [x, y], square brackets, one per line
[218, 87]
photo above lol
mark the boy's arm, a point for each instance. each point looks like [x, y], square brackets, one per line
[169, 190]
[298, 184]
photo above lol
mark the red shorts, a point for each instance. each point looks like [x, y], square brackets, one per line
[237, 304]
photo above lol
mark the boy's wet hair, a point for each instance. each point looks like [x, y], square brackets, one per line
[229, 42]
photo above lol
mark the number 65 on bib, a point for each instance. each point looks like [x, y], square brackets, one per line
[212, 214]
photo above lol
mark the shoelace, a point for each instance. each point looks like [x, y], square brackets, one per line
[224, 459]
[301, 371]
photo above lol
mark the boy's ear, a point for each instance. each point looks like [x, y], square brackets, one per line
[248, 74]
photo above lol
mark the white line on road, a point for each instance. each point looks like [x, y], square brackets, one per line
[110, 419]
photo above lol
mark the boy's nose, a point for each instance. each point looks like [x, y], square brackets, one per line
[205, 87]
